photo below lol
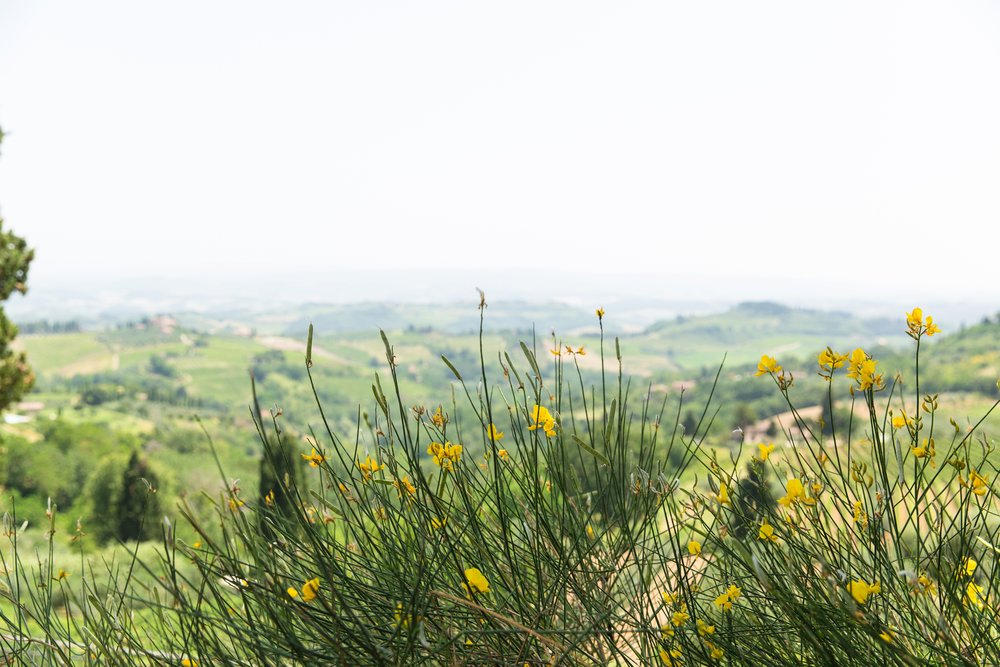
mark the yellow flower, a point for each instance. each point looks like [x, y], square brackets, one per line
[926, 585]
[502, 453]
[292, 592]
[969, 566]
[189, 662]
[269, 498]
[62, 574]
[309, 589]
[926, 450]
[580, 351]
[767, 365]
[368, 467]
[493, 434]
[716, 653]
[766, 532]
[861, 590]
[556, 352]
[704, 629]
[830, 360]
[314, 458]
[197, 544]
[671, 658]
[404, 485]
[860, 516]
[764, 451]
[439, 418]
[541, 418]
[725, 601]
[590, 531]
[446, 455]
[979, 484]
[475, 581]
[973, 591]
[723, 496]
[600, 313]
[679, 618]
[917, 326]
[887, 636]
[795, 492]
[694, 547]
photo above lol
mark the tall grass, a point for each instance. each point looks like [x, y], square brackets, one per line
[587, 529]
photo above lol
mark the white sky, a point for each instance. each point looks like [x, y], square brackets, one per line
[854, 142]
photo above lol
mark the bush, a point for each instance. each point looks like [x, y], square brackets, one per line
[875, 542]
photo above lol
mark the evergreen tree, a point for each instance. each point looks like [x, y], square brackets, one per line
[279, 466]
[138, 508]
[16, 377]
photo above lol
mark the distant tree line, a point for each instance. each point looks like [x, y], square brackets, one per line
[46, 327]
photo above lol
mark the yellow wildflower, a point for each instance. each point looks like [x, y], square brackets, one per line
[766, 532]
[679, 618]
[189, 662]
[694, 547]
[764, 451]
[439, 418]
[917, 326]
[62, 574]
[927, 587]
[502, 453]
[369, 467]
[590, 531]
[404, 485]
[725, 601]
[901, 420]
[975, 594]
[493, 433]
[704, 629]
[795, 492]
[541, 418]
[979, 484]
[309, 589]
[269, 498]
[314, 458]
[926, 450]
[292, 592]
[556, 352]
[580, 351]
[767, 365]
[887, 636]
[969, 566]
[445, 455]
[715, 653]
[861, 590]
[830, 360]
[475, 581]
[670, 658]
[723, 496]
[600, 313]
[860, 516]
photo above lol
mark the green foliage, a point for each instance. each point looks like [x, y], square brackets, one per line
[123, 500]
[16, 378]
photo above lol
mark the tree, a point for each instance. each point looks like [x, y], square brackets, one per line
[16, 377]
[138, 506]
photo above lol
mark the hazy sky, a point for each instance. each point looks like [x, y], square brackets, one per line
[841, 141]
